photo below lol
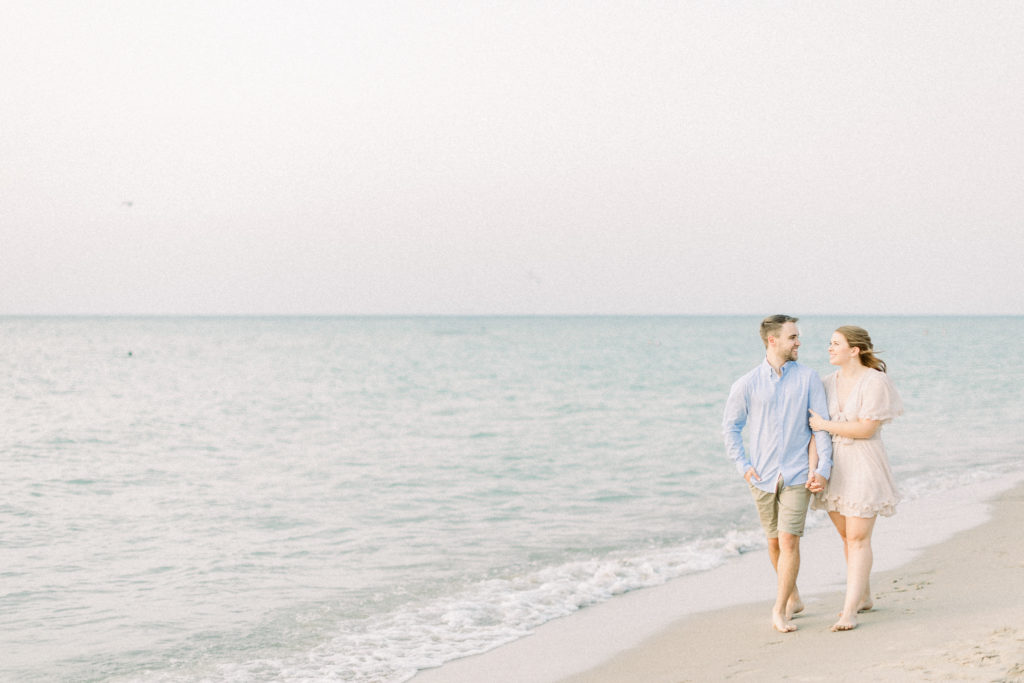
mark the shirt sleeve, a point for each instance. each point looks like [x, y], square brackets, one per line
[880, 401]
[822, 439]
[732, 426]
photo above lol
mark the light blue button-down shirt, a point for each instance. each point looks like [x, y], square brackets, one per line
[775, 408]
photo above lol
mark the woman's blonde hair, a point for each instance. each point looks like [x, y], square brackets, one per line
[858, 337]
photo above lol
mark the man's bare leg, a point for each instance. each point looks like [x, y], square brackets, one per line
[795, 605]
[858, 570]
[788, 567]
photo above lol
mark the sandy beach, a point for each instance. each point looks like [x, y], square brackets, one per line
[949, 605]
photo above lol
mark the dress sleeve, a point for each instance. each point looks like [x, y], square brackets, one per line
[880, 400]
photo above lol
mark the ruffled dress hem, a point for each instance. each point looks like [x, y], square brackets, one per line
[846, 508]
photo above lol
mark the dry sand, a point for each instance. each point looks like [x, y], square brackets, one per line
[949, 605]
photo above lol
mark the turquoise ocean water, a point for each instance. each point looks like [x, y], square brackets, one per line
[314, 499]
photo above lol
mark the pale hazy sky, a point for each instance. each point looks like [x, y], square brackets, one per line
[511, 157]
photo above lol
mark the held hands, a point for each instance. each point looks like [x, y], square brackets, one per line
[815, 482]
[817, 423]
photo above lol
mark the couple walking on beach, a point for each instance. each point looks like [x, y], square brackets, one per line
[815, 443]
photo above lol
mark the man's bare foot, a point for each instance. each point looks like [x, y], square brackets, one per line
[782, 624]
[845, 623]
[795, 606]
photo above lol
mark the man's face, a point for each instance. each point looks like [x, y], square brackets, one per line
[787, 344]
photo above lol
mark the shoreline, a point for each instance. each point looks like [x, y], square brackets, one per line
[715, 625]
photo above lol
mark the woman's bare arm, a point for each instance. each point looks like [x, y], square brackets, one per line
[861, 429]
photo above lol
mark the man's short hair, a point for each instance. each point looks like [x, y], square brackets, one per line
[771, 325]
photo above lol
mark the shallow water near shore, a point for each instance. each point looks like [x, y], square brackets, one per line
[286, 499]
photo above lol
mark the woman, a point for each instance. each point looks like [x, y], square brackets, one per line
[860, 400]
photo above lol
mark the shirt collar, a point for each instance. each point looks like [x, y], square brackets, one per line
[769, 371]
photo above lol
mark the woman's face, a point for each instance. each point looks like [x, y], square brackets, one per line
[839, 350]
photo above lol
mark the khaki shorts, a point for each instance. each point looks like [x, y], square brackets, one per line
[783, 510]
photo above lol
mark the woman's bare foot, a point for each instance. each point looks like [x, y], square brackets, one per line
[795, 606]
[782, 624]
[866, 605]
[845, 623]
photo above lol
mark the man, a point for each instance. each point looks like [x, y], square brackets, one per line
[773, 399]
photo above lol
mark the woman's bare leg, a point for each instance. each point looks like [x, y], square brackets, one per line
[840, 524]
[858, 570]
[866, 602]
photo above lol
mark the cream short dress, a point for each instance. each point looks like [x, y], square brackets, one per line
[861, 484]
